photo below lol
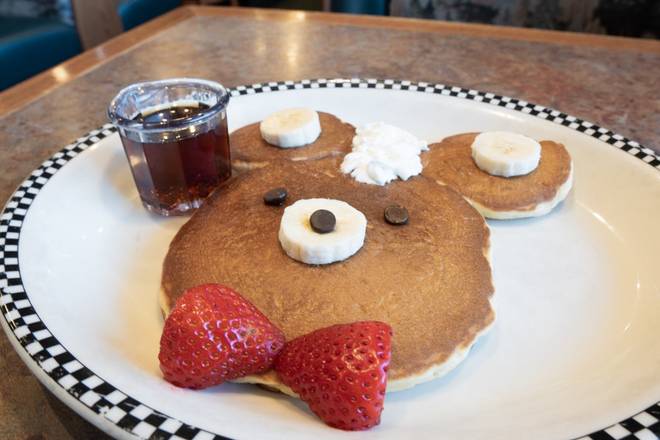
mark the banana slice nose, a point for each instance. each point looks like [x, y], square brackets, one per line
[506, 154]
[302, 243]
[290, 128]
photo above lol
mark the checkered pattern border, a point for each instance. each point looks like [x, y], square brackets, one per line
[142, 421]
[642, 426]
[54, 359]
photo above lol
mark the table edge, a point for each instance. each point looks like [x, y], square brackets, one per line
[440, 26]
[41, 84]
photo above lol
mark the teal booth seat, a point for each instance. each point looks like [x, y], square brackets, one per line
[30, 45]
[136, 12]
[373, 7]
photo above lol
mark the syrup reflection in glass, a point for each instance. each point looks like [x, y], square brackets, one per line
[175, 137]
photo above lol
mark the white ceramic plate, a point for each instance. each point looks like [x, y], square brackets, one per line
[574, 348]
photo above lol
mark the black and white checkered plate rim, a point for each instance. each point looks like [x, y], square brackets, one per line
[115, 410]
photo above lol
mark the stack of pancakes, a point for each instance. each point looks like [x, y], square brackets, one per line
[430, 280]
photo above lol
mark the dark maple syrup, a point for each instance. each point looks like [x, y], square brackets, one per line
[170, 115]
[175, 174]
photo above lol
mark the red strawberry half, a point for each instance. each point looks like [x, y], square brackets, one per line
[212, 335]
[341, 372]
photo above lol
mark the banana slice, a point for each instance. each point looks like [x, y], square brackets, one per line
[506, 154]
[302, 243]
[289, 128]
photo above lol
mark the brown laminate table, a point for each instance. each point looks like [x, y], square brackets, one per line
[613, 82]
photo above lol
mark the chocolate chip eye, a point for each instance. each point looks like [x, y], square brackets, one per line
[275, 197]
[396, 215]
[322, 221]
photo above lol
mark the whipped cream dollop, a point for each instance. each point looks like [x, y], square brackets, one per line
[382, 153]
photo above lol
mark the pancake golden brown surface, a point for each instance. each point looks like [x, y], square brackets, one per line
[249, 150]
[430, 279]
[450, 163]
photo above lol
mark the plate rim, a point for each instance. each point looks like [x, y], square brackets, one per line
[116, 412]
